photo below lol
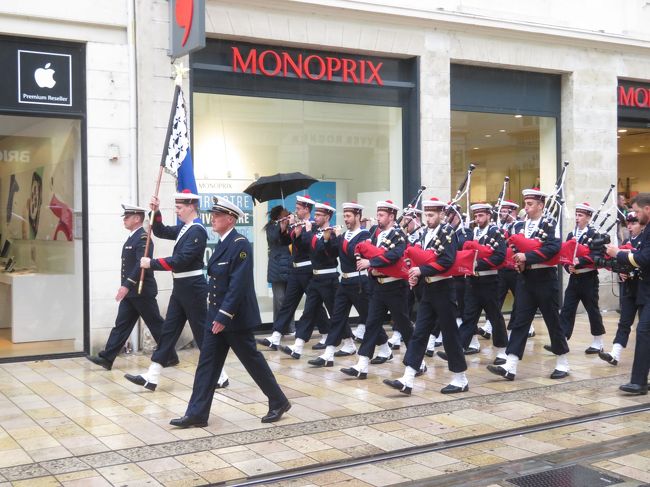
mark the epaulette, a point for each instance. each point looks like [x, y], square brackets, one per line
[143, 236]
[239, 238]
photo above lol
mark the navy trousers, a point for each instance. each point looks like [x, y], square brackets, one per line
[481, 295]
[582, 288]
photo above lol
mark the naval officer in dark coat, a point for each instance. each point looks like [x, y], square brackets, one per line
[232, 315]
[133, 305]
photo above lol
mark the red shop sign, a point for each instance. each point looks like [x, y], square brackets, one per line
[634, 96]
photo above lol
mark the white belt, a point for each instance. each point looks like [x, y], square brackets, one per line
[324, 271]
[348, 275]
[431, 279]
[540, 266]
[302, 264]
[180, 275]
[386, 280]
[583, 271]
[487, 273]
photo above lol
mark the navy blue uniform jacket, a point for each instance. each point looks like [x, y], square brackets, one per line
[493, 238]
[641, 259]
[446, 244]
[188, 251]
[132, 251]
[231, 299]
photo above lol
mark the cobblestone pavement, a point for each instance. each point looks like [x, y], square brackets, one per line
[69, 422]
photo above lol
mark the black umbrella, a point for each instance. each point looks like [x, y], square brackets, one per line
[278, 186]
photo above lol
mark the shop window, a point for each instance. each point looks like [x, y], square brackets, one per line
[633, 161]
[41, 298]
[355, 151]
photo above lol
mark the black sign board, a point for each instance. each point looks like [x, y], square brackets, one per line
[42, 76]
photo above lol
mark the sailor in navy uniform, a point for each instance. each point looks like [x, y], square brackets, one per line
[133, 305]
[463, 234]
[537, 287]
[437, 306]
[322, 286]
[189, 291]
[300, 272]
[481, 293]
[583, 284]
[233, 314]
[627, 296]
[353, 288]
[639, 259]
[386, 293]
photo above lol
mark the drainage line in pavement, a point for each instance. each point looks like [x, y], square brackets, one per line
[433, 447]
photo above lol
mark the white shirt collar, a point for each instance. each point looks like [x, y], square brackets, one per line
[133, 232]
[223, 237]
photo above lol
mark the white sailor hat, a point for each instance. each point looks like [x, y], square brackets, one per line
[534, 193]
[585, 208]
[222, 205]
[305, 200]
[631, 217]
[132, 210]
[186, 197]
[476, 207]
[388, 206]
[433, 204]
[325, 208]
[509, 204]
[353, 207]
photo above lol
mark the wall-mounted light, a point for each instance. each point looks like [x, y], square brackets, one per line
[113, 153]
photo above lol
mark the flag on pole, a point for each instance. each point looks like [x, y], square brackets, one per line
[177, 159]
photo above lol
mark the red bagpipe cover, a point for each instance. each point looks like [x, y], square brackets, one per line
[569, 250]
[523, 244]
[462, 266]
[367, 250]
[485, 251]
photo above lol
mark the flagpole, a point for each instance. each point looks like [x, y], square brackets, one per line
[170, 126]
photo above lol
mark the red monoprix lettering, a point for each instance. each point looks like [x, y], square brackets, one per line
[278, 62]
[307, 65]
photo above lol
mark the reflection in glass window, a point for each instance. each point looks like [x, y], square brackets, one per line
[355, 151]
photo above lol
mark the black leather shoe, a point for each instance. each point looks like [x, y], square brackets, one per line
[429, 353]
[471, 351]
[559, 374]
[266, 343]
[101, 361]
[140, 381]
[381, 360]
[188, 422]
[275, 414]
[343, 353]
[593, 350]
[485, 334]
[172, 362]
[437, 344]
[548, 348]
[634, 389]
[319, 346]
[396, 384]
[352, 372]
[288, 351]
[442, 355]
[321, 362]
[498, 370]
[394, 346]
[499, 361]
[450, 389]
[421, 371]
[225, 384]
[607, 357]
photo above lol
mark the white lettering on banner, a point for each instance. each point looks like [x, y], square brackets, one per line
[15, 156]
[27, 96]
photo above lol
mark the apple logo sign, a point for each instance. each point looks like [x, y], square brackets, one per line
[44, 76]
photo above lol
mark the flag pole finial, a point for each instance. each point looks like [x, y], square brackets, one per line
[179, 73]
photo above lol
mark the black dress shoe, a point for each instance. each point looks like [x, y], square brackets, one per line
[381, 360]
[593, 350]
[140, 381]
[607, 357]
[429, 353]
[319, 346]
[288, 351]
[548, 348]
[442, 355]
[451, 389]
[485, 334]
[343, 353]
[471, 351]
[321, 362]
[101, 361]
[225, 384]
[498, 370]
[499, 361]
[188, 422]
[352, 372]
[559, 374]
[396, 384]
[634, 389]
[437, 344]
[265, 342]
[172, 362]
[394, 346]
[421, 371]
[275, 414]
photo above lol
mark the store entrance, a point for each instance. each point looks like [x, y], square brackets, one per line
[633, 161]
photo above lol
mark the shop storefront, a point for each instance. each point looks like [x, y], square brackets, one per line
[349, 120]
[42, 239]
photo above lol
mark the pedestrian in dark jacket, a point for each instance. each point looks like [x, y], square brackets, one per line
[279, 256]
